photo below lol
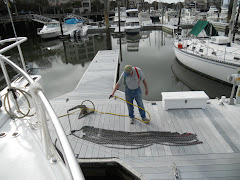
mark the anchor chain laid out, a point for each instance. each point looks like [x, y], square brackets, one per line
[134, 140]
[127, 140]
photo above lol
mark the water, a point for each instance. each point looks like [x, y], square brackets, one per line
[62, 63]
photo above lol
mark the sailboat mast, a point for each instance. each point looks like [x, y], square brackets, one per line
[236, 25]
[231, 23]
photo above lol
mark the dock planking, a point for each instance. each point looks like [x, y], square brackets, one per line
[216, 126]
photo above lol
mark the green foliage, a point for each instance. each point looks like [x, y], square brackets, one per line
[26, 6]
[67, 7]
[3, 8]
[113, 5]
[97, 6]
[77, 4]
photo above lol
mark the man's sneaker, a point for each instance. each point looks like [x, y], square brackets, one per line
[145, 119]
[131, 120]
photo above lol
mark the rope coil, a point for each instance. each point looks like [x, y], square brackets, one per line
[15, 93]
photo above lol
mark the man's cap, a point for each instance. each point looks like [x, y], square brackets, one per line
[128, 69]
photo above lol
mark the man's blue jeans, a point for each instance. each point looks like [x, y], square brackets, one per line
[137, 95]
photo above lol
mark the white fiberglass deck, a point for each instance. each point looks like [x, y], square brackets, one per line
[217, 126]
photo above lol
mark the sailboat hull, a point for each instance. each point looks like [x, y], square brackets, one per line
[211, 68]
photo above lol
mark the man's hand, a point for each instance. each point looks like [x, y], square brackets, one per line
[111, 96]
[146, 92]
[146, 87]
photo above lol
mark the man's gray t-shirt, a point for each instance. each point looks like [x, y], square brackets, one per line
[132, 82]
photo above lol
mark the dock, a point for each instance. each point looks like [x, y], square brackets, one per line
[220, 26]
[217, 127]
[169, 28]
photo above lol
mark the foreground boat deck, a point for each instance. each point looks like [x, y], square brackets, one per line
[217, 126]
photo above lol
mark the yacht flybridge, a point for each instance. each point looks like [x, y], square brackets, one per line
[26, 148]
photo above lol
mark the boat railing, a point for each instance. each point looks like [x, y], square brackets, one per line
[42, 107]
[219, 53]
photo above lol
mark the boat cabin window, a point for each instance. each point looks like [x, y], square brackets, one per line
[132, 24]
[52, 25]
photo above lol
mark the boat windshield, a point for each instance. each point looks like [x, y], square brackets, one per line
[53, 25]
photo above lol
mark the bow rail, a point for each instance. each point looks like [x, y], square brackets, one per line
[44, 106]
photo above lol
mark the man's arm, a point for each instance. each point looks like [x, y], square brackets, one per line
[114, 90]
[146, 87]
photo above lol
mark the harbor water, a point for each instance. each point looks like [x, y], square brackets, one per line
[62, 63]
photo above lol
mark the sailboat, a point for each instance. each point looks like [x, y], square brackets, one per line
[215, 56]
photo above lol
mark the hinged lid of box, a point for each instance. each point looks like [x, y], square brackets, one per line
[184, 95]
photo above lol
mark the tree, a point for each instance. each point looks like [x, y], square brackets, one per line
[96, 6]
[67, 7]
[3, 9]
[113, 5]
[77, 4]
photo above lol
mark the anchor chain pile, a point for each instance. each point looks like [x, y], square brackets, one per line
[134, 140]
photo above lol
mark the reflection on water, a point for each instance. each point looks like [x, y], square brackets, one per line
[63, 62]
[133, 42]
[198, 82]
[69, 63]
[80, 51]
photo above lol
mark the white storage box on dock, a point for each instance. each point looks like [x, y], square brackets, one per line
[184, 99]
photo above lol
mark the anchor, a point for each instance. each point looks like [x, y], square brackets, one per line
[84, 112]
[84, 109]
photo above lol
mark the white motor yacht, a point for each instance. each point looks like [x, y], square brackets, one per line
[132, 23]
[26, 120]
[144, 19]
[73, 27]
[189, 16]
[27, 151]
[49, 30]
[123, 17]
[212, 14]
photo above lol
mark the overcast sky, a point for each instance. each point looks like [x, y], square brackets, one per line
[175, 1]
[166, 1]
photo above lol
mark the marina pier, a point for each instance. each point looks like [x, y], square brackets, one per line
[216, 127]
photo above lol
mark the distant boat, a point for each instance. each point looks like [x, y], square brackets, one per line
[212, 14]
[74, 27]
[144, 19]
[49, 30]
[71, 27]
[123, 17]
[210, 56]
[132, 22]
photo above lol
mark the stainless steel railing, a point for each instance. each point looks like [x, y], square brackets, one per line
[71, 161]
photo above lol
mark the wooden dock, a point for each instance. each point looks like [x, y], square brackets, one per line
[217, 126]
[169, 28]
